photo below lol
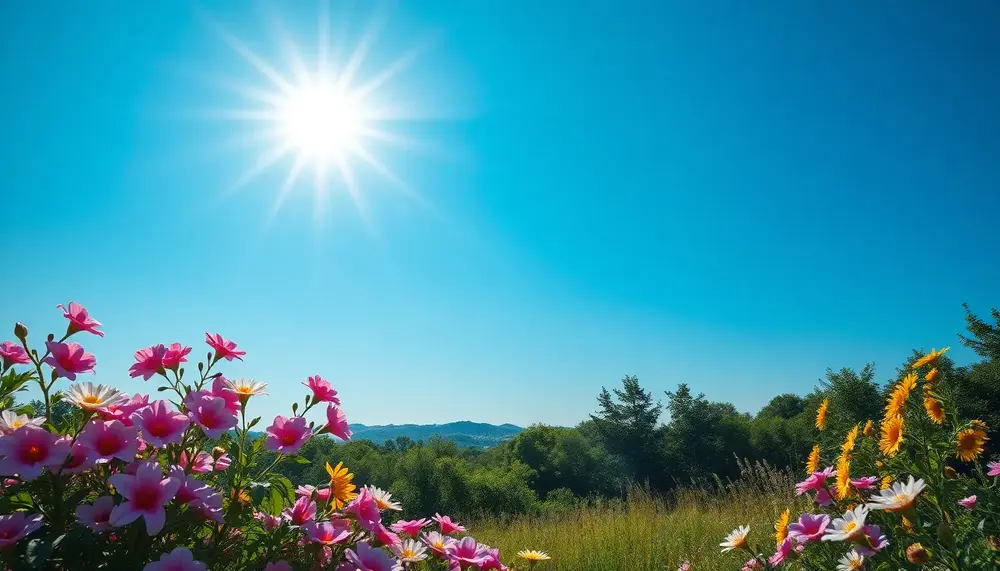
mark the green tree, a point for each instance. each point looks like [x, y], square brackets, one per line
[787, 405]
[628, 423]
[704, 438]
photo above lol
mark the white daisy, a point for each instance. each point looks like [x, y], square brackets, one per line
[410, 551]
[384, 499]
[849, 527]
[899, 497]
[11, 421]
[246, 388]
[737, 539]
[90, 397]
[853, 561]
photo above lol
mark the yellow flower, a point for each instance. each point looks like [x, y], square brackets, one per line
[932, 376]
[969, 444]
[843, 488]
[908, 526]
[821, 414]
[812, 464]
[979, 425]
[897, 400]
[850, 440]
[892, 435]
[533, 557]
[886, 483]
[341, 486]
[930, 358]
[781, 527]
[869, 428]
[933, 407]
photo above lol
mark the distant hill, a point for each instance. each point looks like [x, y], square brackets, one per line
[465, 433]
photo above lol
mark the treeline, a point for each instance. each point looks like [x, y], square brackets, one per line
[624, 443]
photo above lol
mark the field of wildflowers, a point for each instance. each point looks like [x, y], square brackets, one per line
[129, 482]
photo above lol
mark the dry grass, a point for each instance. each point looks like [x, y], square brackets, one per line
[647, 533]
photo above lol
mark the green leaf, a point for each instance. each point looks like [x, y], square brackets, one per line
[300, 460]
[38, 551]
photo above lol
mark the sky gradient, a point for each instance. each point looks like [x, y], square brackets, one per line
[727, 195]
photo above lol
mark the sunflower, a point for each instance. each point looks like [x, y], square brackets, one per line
[892, 435]
[812, 464]
[843, 488]
[821, 414]
[781, 527]
[933, 407]
[932, 375]
[969, 444]
[897, 400]
[978, 425]
[929, 359]
[341, 486]
[850, 440]
[869, 428]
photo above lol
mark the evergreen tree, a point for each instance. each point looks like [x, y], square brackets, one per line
[628, 423]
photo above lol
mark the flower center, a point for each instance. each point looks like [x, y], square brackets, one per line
[158, 427]
[850, 526]
[209, 419]
[108, 444]
[288, 439]
[17, 424]
[409, 553]
[91, 399]
[146, 498]
[33, 453]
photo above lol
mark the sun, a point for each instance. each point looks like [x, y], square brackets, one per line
[321, 121]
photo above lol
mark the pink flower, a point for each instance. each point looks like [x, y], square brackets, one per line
[305, 490]
[865, 483]
[123, 410]
[224, 349]
[200, 464]
[752, 565]
[492, 561]
[384, 536]
[323, 495]
[175, 355]
[80, 320]
[211, 415]
[322, 390]
[223, 462]
[148, 362]
[13, 354]
[209, 506]
[281, 565]
[80, 459]
[788, 548]
[107, 439]
[287, 435]
[685, 566]
[97, 516]
[467, 553]
[220, 389]
[16, 526]
[161, 425]
[303, 511]
[145, 494]
[328, 532]
[180, 559]
[191, 489]
[437, 543]
[969, 502]
[876, 541]
[815, 482]
[68, 359]
[823, 497]
[336, 423]
[29, 449]
[268, 522]
[365, 509]
[994, 469]
[368, 558]
[809, 527]
[410, 528]
[448, 527]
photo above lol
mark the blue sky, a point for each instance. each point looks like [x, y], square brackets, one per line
[728, 195]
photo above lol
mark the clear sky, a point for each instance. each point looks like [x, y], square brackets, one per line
[734, 195]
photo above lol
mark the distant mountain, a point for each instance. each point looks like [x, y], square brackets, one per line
[465, 433]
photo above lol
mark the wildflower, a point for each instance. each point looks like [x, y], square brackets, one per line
[809, 527]
[191, 488]
[994, 469]
[869, 428]
[287, 435]
[437, 543]
[448, 527]
[410, 551]
[69, 359]
[410, 527]
[224, 349]
[492, 562]
[336, 423]
[899, 498]
[781, 527]
[280, 565]
[145, 494]
[821, 414]
[885, 483]
[91, 398]
[969, 444]
[872, 542]
[16, 526]
[29, 449]
[850, 440]
[175, 355]
[80, 459]
[322, 390]
[864, 483]
[853, 561]
[383, 535]
[929, 359]
[13, 354]
[180, 559]
[737, 539]
[469, 553]
[96, 516]
[815, 482]
[533, 557]
[384, 499]
[752, 565]
[108, 439]
[323, 495]
[933, 407]
[848, 527]
[200, 462]
[267, 521]
[246, 388]
[367, 558]
[80, 319]
[223, 462]
[328, 532]
[917, 555]
[788, 548]
[969, 502]
[365, 509]
[812, 464]
[210, 414]
[11, 421]
[305, 490]
[341, 485]
[892, 436]
[932, 375]
[122, 410]
[897, 400]
[843, 488]
[148, 362]
[823, 497]
[685, 566]
[303, 511]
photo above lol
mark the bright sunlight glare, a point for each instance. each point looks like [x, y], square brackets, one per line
[321, 122]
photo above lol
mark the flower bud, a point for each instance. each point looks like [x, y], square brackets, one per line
[218, 451]
[917, 555]
[950, 473]
[869, 428]
[932, 375]
[20, 331]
